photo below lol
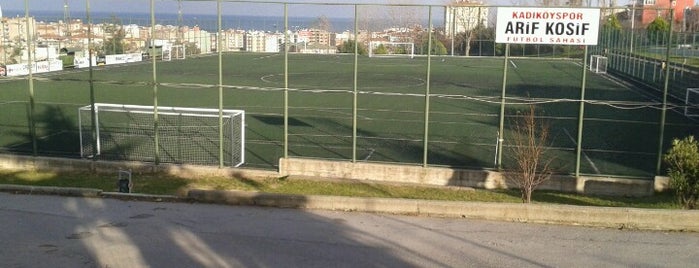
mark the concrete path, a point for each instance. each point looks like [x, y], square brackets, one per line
[56, 231]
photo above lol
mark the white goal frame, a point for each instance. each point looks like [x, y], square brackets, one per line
[167, 54]
[375, 44]
[691, 109]
[598, 64]
[170, 136]
[178, 52]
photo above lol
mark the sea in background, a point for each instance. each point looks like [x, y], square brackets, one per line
[210, 22]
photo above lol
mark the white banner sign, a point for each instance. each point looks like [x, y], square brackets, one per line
[115, 59]
[37, 67]
[81, 62]
[134, 57]
[559, 26]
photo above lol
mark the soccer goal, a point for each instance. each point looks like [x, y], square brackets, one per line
[167, 54]
[691, 102]
[184, 135]
[391, 49]
[598, 64]
[178, 52]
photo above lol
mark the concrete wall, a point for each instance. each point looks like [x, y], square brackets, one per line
[457, 177]
[347, 170]
[14, 162]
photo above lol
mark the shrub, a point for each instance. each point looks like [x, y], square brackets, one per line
[683, 169]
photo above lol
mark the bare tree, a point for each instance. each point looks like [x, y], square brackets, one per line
[325, 27]
[465, 19]
[530, 142]
[403, 16]
[322, 23]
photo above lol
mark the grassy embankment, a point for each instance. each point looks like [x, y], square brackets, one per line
[170, 185]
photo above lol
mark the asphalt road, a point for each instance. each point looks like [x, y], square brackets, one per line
[54, 231]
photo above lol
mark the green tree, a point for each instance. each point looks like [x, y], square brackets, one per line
[191, 48]
[381, 49]
[438, 47]
[657, 30]
[483, 44]
[613, 23]
[683, 168]
[115, 43]
[611, 30]
[348, 47]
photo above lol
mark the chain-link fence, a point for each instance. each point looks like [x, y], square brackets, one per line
[406, 83]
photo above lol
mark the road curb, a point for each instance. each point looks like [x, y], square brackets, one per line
[143, 197]
[50, 190]
[608, 217]
[87, 192]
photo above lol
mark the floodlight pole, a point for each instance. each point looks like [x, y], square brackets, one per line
[219, 50]
[354, 86]
[633, 22]
[32, 117]
[286, 80]
[155, 82]
[93, 114]
[499, 145]
[581, 115]
[452, 28]
[663, 111]
[427, 89]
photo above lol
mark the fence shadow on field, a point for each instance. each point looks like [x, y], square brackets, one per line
[279, 120]
[56, 133]
[550, 197]
[605, 128]
[396, 150]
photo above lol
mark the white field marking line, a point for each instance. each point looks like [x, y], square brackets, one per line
[10, 102]
[625, 85]
[369, 155]
[347, 89]
[339, 112]
[266, 57]
[39, 138]
[583, 153]
[371, 152]
[513, 64]
[363, 137]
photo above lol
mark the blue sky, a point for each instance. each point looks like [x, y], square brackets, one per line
[335, 9]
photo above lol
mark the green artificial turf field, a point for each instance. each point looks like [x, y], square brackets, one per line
[620, 133]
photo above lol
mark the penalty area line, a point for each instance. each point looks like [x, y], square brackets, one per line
[583, 153]
[513, 64]
[371, 152]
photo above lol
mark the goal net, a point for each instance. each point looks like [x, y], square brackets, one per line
[691, 102]
[598, 64]
[178, 52]
[391, 49]
[167, 54]
[184, 135]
